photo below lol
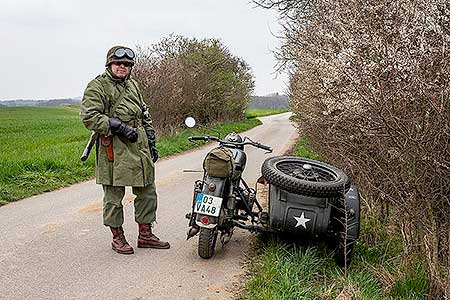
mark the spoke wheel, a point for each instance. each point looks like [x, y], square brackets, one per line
[305, 176]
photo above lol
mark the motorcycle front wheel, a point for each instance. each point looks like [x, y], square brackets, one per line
[207, 242]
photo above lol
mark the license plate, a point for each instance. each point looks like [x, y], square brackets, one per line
[208, 205]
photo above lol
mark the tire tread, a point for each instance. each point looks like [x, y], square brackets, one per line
[298, 186]
[206, 242]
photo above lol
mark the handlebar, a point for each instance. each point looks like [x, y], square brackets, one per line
[246, 141]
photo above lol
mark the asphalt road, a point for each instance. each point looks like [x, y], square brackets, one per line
[54, 246]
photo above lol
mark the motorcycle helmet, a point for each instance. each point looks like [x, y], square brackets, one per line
[120, 54]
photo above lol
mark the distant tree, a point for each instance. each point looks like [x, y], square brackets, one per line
[200, 78]
[269, 102]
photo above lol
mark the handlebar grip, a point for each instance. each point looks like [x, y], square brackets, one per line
[197, 138]
[264, 147]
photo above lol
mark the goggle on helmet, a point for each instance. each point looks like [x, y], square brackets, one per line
[120, 54]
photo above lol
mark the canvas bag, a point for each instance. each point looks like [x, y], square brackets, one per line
[219, 162]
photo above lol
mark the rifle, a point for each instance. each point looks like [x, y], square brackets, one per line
[89, 145]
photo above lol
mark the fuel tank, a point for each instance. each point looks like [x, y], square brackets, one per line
[240, 159]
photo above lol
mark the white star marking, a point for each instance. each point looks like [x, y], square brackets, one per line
[301, 220]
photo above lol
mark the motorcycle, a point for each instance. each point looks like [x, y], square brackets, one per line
[307, 199]
[222, 199]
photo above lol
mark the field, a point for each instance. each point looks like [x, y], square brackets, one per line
[254, 113]
[40, 149]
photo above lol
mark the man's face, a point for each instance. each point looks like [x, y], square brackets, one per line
[120, 69]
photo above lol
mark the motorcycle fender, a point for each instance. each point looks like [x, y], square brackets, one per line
[218, 192]
[218, 182]
[200, 224]
[213, 221]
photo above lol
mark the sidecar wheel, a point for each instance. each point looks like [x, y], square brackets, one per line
[305, 176]
[207, 242]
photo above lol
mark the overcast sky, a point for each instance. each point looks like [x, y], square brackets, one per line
[53, 48]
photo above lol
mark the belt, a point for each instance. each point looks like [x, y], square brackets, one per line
[134, 123]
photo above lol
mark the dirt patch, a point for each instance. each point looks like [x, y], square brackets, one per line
[92, 208]
[49, 228]
[291, 149]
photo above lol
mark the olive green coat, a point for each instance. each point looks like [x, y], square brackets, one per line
[132, 165]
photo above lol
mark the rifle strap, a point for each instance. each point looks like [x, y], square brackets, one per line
[107, 141]
[116, 102]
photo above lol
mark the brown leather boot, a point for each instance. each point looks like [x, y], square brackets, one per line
[147, 239]
[119, 243]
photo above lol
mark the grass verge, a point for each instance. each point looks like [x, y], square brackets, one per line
[295, 270]
[41, 149]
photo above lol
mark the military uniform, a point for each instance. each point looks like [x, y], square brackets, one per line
[132, 165]
[119, 161]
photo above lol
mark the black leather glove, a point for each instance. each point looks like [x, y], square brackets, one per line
[119, 128]
[151, 137]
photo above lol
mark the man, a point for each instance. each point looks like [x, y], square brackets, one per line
[113, 107]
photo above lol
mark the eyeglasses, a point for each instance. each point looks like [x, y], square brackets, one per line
[121, 52]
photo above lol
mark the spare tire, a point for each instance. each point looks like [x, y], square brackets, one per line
[304, 176]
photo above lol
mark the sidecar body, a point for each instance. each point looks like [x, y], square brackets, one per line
[309, 199]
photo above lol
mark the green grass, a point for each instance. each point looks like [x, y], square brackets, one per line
[283, 270]
[303, 149]
[254, 113]
[286, 270]
[40, 149]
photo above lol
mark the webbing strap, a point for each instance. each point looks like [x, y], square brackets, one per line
[117, 101]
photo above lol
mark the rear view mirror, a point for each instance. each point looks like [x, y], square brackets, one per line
[189, 122]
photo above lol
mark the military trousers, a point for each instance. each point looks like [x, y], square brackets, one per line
[145, 204]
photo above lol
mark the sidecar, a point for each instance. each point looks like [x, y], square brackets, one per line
[309, 199]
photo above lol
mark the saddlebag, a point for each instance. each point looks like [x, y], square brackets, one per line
[219, 162]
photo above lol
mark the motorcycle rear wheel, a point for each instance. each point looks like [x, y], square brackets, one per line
[207, 242]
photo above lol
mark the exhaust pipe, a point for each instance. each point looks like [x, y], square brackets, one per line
[192, 232]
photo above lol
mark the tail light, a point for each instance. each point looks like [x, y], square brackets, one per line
[211, 187]
[205, 220]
